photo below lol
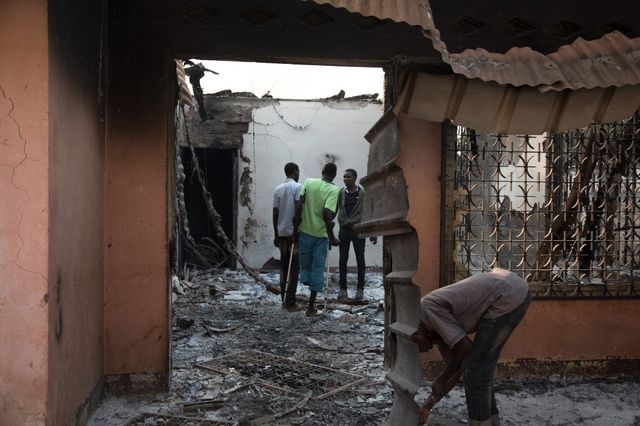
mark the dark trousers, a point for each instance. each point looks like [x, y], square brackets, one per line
[347, 236]
[285, 244]
[479, 367]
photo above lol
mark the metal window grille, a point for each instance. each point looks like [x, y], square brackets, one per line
[559, 209]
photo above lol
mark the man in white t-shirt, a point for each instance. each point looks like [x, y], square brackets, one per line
[284, 210]
[491, 305]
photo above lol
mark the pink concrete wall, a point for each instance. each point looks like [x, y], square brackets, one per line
[420, 162]
[577, 330]
[76, 210]
[23, 211]
[552, 330]
[136, 262]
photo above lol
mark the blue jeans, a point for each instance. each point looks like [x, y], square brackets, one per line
[479, 367]
[312, 255]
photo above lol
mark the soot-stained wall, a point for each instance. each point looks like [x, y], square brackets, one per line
[76, 210]
[136, 313]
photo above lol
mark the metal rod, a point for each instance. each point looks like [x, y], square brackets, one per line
[326, 281]
[286, 285]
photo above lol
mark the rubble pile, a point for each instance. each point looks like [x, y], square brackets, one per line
[240, 359]
[225, 314]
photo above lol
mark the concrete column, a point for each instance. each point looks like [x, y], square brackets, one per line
[420, 159]
[136, 258]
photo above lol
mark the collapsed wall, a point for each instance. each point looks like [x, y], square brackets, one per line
[259, 136]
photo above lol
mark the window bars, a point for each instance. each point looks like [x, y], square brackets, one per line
[559, 209]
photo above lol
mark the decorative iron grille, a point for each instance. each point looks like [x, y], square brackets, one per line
[559, 209]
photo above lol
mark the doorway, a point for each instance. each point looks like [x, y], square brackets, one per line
[219, 167]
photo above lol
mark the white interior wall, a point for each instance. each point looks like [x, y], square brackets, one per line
[308, 133]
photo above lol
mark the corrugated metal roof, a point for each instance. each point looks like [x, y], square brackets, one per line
[412, 12]
[184, 96]
[610, 61]
[489, 107]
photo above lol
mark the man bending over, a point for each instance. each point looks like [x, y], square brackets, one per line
[491, 305]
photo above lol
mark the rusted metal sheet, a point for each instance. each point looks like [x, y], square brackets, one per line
[610, 61]
[489, 107]
[412, 12]
[184, 96]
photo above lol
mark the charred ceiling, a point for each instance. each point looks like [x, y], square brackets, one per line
[543, 25]
[286, 30]
[573, 45]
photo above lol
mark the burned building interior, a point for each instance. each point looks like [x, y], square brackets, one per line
[507, 135]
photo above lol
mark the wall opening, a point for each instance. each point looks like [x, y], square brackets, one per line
[242, 140]
[219, 168]
[267, 115]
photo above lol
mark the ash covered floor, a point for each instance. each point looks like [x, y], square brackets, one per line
[222, 313]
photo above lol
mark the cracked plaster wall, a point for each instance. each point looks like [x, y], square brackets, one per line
[309, 133]
[23, 212]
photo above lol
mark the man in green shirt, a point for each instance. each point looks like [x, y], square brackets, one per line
[316, 211]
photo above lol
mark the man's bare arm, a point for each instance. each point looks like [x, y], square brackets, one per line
[448, 378]
[452, 371]
[328, 217]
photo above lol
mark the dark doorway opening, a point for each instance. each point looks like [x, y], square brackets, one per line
[220, 173]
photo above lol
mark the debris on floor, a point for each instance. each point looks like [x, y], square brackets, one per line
[239, 358]
[146, 419]
[284, 374]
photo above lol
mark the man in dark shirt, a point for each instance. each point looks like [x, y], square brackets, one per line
[350, 214]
